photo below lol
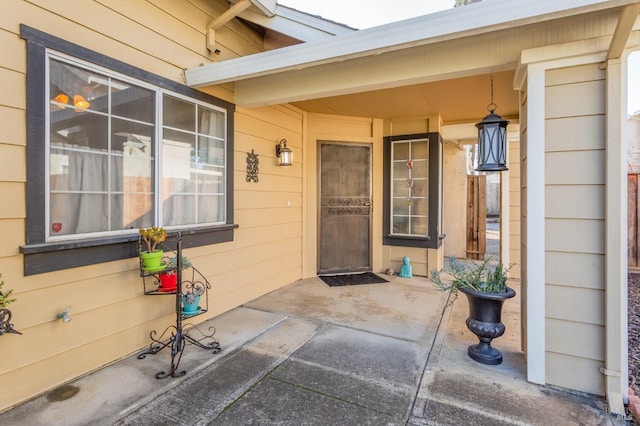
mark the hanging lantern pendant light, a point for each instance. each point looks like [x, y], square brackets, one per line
[492, 140]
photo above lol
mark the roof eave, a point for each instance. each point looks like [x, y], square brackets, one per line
[450, 24]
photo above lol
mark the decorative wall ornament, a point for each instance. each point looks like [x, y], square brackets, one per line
[252, 166]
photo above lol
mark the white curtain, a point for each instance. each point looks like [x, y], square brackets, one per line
[80, 193]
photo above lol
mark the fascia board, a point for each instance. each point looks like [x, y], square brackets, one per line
[304, 30]
[450, 24]
[268, 7]
[313, 21]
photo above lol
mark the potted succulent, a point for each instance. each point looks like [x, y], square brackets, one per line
[152, 257]
[169, 278]
[191, 298]
[486, 291]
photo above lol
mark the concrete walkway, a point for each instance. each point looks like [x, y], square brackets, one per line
[309, 354]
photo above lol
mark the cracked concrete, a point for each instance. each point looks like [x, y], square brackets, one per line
[309, 354]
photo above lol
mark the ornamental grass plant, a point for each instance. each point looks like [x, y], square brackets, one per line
[480, 277]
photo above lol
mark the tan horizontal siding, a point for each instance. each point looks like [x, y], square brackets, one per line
[575, 100]
[580, 236]
[13, 126]
[111, 316]
[575, 168]
[573, 75]
[575, 304]
[575, 269]
[574, 227]
[12, 205]
[575, 201]
[570, 372]
[12, 94]
[575, 339]
[12, 163]
[341, 127]
[575, 133]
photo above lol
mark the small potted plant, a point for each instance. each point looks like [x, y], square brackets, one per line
[5, 297]
[191, 298]
[5, 314]
[169, 278]
[486, 291]
[152, 257]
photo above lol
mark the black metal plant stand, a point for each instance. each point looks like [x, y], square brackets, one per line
[5, 322]
[177, 336]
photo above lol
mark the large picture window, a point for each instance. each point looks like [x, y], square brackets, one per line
[103, 149]
[413, 190]
[112, 148]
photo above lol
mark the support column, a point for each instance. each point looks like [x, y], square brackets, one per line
[535, 225]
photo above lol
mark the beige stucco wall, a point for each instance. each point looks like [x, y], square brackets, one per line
[574, 222]
[111, 316]
[455, 201]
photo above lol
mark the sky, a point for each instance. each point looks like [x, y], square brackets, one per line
[363, 14]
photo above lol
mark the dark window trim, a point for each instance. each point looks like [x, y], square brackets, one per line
[39, 256]
[434, 240]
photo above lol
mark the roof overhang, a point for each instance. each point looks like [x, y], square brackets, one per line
[452, 24]
[296, 24]
[271, 16]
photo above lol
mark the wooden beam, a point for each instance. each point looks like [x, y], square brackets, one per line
[221, 20]
[626, 21]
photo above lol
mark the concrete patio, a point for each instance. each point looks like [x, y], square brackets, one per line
[309, 354]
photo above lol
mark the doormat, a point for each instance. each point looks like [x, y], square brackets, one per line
[352, 279]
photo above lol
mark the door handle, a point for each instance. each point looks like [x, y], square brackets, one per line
[367, 204]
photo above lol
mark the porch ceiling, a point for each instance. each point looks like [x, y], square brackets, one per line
[460, 100]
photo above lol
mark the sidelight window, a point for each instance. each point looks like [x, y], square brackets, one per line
[413, 190]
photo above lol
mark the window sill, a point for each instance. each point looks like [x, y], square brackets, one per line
[413, 241]
[49, 257]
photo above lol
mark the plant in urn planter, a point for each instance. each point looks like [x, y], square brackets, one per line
[486, 291]
[152, 257]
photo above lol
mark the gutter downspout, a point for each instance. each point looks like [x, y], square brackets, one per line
[616, 369]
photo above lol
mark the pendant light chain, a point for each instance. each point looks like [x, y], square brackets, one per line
[492, 104]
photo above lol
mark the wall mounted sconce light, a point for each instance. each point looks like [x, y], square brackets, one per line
[492, 140]
[65, 316]
[283, 153]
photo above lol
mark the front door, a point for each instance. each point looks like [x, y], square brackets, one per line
[345, 208]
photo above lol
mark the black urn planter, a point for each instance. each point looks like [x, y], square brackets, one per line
[485, 312]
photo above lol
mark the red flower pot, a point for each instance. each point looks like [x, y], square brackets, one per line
[168, 282]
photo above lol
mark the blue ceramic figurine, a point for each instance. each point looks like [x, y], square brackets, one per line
[405, 269]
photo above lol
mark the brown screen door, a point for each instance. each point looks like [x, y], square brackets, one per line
[345, 208]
